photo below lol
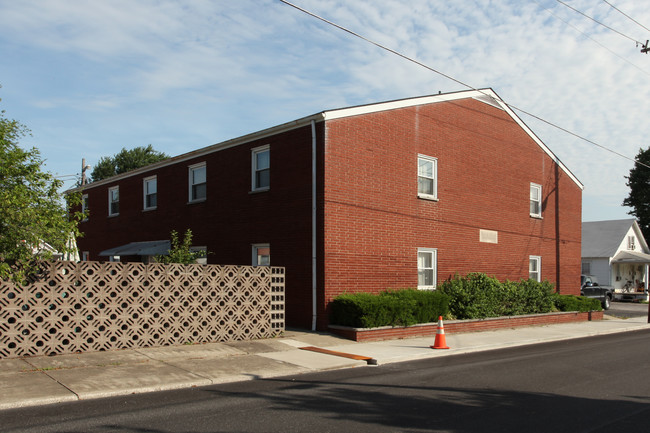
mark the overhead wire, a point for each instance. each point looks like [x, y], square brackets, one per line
[459, 81]
[626, 15]
[592, 39]
[598, 22]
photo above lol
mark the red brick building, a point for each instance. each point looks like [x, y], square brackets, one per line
[398, 194]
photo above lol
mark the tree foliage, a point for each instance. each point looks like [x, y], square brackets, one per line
[32, 211]
[639, 197]
[126, 160]
[181, 251]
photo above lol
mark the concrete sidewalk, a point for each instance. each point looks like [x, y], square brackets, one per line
[45, 380]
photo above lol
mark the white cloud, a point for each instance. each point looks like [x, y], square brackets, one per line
[190, 73]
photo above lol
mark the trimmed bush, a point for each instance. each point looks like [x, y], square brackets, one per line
[390, 308]
[478, 296]
[576, 303]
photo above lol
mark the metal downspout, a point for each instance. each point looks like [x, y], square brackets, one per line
[313, 227]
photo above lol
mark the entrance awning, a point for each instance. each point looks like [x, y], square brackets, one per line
[147, 248]
[631, 257]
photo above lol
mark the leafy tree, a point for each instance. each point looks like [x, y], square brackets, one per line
[180, 251]
[126, 160]
[639, 197]
[32, 211]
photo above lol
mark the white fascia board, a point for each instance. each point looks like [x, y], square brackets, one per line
[401, 103]
[305, 121]
[487, 96]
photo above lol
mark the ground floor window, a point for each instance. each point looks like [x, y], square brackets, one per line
[261, 255]
[427, 268]
[535, 268]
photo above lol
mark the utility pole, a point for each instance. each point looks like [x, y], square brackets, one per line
[84, 167]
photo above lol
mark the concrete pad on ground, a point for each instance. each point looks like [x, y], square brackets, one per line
[106, 381]
[208, 350]
[238, 368]
[260, 346]
[30, 389]
[88, 359]
[13, 366]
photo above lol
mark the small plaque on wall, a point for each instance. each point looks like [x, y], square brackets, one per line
[489, 236]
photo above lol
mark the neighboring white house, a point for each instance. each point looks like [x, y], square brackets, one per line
[616, 253]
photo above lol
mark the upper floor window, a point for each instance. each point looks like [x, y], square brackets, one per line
[535, 200]
[197, 182]
[114, 201]
[535, 268]
[150, 192]
[427, 268]
[631, 242]
[84, 206]
[427, 177]
[261, 255]
[261, 168]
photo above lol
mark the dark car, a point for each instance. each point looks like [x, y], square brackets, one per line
[590, 288]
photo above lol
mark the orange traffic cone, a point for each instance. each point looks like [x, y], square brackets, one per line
[440, 342]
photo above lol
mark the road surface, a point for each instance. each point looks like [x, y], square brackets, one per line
[597, 384]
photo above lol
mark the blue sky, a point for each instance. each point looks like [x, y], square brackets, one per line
[90, 77]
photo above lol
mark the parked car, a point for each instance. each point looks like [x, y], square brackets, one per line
[590, 288]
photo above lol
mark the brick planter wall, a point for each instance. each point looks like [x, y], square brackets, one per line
[460, 326]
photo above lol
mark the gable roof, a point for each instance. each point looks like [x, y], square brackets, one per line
[487, 96]
[602, 238]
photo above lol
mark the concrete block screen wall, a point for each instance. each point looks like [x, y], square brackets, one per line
[92, 306]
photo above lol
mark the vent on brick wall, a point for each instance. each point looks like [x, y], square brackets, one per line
[489, 236]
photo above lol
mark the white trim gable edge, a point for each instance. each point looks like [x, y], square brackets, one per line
[486, 96]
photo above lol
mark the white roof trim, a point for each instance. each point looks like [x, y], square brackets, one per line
[487, 96]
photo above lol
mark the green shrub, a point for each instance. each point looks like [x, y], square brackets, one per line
[576, 303]
[390, 308]
[478, 296]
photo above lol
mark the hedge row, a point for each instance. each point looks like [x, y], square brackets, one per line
[390, 308]
[475, 296]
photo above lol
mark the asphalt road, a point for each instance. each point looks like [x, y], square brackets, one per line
[597, 384]
[628, 309]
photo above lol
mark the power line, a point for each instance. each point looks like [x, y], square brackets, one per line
[457, 81]
[598, 22]
[626, 15]
[589, 37]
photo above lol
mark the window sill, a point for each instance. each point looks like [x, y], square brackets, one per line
[114, 215]
[537, 217]
[426, 287]
[149, 209]
[200, 200]
[428, 197]
[259, 190]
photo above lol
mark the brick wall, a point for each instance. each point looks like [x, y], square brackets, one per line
[486, 162]
[230, 220]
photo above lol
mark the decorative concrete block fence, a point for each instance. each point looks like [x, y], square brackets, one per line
[97, 306]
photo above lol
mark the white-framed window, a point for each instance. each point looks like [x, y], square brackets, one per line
[114, 201]
[631, 243]
[586, 268]
[150, 193]
[427, 268]
[197, 182]
[535, 268]
[535, 200]
[261, 168]
[84, 206]
[427, 177]
[261, 255]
